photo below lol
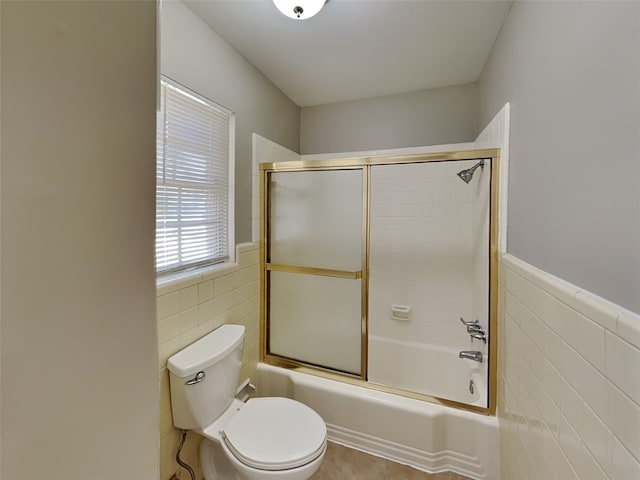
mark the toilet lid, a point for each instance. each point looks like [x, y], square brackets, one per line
[275, 434]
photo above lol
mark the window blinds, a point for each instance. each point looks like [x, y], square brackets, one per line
[192, 181]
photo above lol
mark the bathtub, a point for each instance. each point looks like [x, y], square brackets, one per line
[429, 437]
[429, 369]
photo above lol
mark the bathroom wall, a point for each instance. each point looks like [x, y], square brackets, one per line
[569, 394]
[572, 75]
[190, 306]
[0, 248]
[428, 117]
[188, 309]
[496, 134]
[195, 56]
[79, 352]
[264, 151]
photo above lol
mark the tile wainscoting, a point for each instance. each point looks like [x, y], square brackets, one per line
[569, 388]
[188, 308]
[569, 381]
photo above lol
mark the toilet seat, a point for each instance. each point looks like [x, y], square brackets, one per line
[275, 434]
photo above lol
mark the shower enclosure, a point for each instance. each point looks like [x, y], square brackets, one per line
[382, 270]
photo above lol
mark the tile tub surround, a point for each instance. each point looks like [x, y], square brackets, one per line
[189, 306]
[569, 389]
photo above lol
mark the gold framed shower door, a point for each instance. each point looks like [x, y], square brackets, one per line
[365, 163]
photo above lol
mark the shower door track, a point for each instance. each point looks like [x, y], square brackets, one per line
[365, 164]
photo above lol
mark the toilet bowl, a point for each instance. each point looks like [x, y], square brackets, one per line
[262, 438]
[266, 438]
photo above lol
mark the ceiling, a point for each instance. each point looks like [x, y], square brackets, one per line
[360, 48]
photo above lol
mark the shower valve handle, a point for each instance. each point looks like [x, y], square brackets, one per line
[479, 336]
[471, 323]
[475, 328]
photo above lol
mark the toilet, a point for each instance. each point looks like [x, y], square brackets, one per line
[263, 438]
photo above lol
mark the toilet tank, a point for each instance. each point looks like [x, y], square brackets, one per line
[204, 376]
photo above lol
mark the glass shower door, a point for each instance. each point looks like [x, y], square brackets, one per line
[429, 267]
[314, 264]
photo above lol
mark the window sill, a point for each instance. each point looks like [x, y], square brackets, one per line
[177, 281]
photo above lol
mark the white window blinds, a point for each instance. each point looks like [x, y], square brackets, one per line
[193, 182]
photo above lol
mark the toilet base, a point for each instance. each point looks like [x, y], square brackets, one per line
[216, 465]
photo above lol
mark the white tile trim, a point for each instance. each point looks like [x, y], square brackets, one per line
[608, 315]
[178, 281]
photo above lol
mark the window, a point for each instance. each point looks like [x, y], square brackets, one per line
[194, 180]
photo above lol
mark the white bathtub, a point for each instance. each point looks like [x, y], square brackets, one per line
[428, 369]
[429, 437]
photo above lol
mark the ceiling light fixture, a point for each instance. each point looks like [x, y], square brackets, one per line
[299, 9]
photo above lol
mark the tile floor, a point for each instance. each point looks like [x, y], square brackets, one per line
[342, 463]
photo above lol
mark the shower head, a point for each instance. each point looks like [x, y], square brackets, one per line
[467, 175]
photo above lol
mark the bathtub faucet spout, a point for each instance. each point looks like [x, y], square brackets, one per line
[471, 355]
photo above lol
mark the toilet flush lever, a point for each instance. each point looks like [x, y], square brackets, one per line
[197, 379]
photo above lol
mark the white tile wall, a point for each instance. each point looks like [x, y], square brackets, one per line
[422, 256]
[190, 306]
[496, 135]
[264, 151]
[569, 388]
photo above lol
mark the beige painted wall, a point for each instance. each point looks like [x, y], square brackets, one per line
[428, 117]
[79, 356]
[195, 56]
